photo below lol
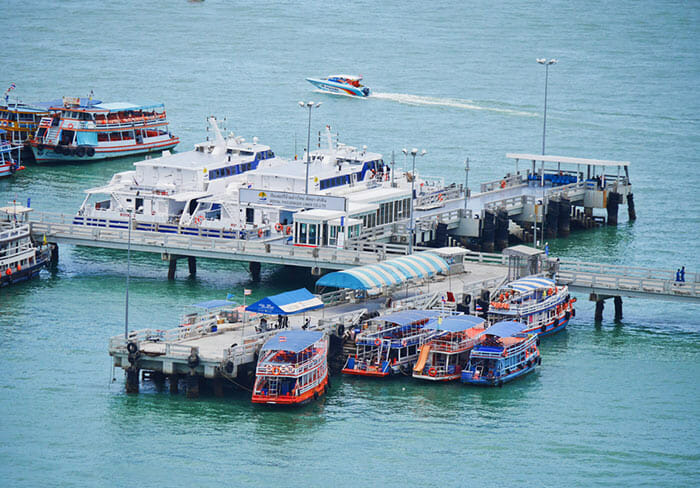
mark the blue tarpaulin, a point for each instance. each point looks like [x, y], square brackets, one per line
[455, 323]
[291, 302]
[86, 138]
[507, 328]
[292, 340]
[406, 317]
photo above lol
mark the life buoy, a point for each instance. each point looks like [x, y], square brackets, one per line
[288, 230]
[69, 125]
[276, 371]
[260, 232]
[506, 306]
[278, 227]
[404, 343]
[377, 341]
[503, 183]
[19, 267]
[8, 272]
[432, 371]
[198, 219]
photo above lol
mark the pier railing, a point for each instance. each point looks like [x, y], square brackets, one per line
[627, 280]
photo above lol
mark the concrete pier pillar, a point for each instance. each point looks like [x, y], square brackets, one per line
[631, 212]
[551, 227]
[54, 255]
[173, 380]
[254, 268]
[158, 379]
[192, 386]
[488, 232]
[564, 223]
[599, 306]
[612, 207]
[192, 264]
[218, 385]
[172, 267]
[618, 308]
[132, 379]
[501, 230]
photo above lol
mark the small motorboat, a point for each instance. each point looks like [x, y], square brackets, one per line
[341, 84]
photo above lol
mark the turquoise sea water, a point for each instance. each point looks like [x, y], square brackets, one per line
[613, 404]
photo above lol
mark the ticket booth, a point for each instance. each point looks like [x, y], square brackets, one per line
[320, 228]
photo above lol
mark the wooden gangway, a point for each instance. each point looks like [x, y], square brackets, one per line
[614, 280]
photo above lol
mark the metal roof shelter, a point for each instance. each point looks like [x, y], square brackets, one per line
[567, 160]
[292, 340]
[507, 328]
[455, 323]
[291, 302]
[391, 272]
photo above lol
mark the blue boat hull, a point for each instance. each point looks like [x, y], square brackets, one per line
[467, 377]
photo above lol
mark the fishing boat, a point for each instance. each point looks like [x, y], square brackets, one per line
[292, 368]
[8, 166]
[19, 119]
[443, 357]
[84, 130]
[20, 258]
[341, 84]
[390, 343]
[536, 301]
[506, 353]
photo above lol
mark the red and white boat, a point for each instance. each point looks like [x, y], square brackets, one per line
[84, 130]
[292, 368]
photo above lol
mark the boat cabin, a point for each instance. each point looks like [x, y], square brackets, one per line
[320, 228]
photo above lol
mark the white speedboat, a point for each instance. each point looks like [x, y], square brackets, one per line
[341, 84]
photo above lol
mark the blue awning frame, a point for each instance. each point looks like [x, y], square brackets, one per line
[506, 328]
[288, 303]
[455, 323]
[387, 273]
[406, 317]
[293, 341]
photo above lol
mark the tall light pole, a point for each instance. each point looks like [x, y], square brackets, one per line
[546, 63]
[466, 185]
[128, 272]
[414, 153]
[308, 105]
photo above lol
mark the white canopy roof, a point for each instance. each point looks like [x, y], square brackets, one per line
[565, 159]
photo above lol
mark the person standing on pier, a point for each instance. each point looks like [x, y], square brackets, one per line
[678, 275]
[683, 274]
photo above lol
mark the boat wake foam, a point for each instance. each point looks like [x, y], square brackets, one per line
[446, 102]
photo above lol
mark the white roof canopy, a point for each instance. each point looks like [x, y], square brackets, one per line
[565, 159]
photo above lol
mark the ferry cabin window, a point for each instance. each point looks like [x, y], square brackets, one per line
[302, 234]
[312, 234]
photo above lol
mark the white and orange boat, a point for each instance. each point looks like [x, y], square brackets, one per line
[292, 368]
[83, 130]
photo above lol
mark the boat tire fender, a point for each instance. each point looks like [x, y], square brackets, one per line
[132, 347]
[80, 151]
[537, 341]
[193, 360]
[499, 383]
[228, 367]
[539, 360]
[90, 152]
[340, 330]
[315, 395]
[467, 299]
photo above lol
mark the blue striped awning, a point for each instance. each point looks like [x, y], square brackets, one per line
[391, 272]
[455, 323]
[407, 317]
[507, 328]
[525, 285]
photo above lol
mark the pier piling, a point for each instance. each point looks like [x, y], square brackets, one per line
[599, 306]
[132, 379]
[54, 255]
[552, 219]
[173, 380]
[564, 223]
[631, 212]
[254, 268]
[618, 308]
[218, 386]
[488, 232]
[501, 232]
[192, 264]
[192, 385]
[172, 267]
[612, 206]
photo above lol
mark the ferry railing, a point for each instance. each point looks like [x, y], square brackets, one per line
[526, 309]
[495, 185]
[510, 351]
[450, 346]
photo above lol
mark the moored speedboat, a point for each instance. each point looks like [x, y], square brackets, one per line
[341, 84]
[390, 343]
[20, 258]
[538, 302]
[83, 130]
[443, 357]
[292, 368]
[505, 353]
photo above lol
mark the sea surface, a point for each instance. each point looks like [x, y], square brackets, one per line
[614, 403]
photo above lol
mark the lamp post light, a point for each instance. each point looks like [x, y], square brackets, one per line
[466, 185]
[546, 63]
[128, 272]
[414, 153]
[308, 105]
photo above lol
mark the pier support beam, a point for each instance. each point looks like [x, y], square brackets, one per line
[501, 231]
[218, 385]
[192, 386]
[172, 267]
[158, 379]
[254, 268]
[551, 227]
[132, 379]
[599, 306]
[488, 231]
[618, 308]
[173, 380]
[192, 264]
[564, 218]
[631, 212]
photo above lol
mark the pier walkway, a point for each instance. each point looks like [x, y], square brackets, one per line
[611, 280]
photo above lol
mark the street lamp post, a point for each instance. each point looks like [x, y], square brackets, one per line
[308, 105]
[466, 185]
[414, 153]
[546, 63]
[128, 272]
